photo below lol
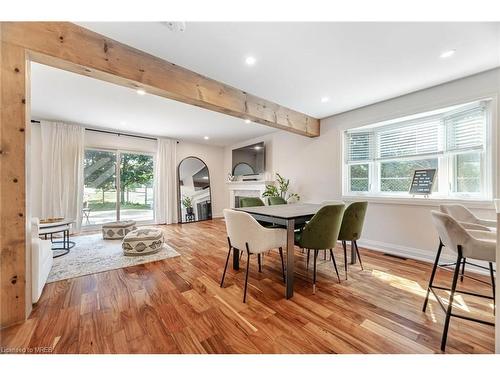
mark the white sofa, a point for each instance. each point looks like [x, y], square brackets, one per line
[41, 261]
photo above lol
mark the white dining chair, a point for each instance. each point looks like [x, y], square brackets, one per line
[470, 244]
[245, 233]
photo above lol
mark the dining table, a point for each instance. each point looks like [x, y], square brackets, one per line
[288, 216]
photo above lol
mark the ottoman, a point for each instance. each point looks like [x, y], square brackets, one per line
[143, 241]
[117, 229]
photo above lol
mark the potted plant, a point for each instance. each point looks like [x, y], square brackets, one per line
[280, 189]
[188, 204]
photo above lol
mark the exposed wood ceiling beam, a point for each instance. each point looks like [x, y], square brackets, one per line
[71, 47]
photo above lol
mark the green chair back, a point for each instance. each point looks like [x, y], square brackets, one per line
[276, 200]
[323, 229]
[251, 202]
[352, 222]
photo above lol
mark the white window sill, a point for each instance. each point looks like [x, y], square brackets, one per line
[421, 201]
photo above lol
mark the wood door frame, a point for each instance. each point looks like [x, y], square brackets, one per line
[73, 48]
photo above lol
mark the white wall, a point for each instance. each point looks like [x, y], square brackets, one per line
[314, 166]
[213, 156]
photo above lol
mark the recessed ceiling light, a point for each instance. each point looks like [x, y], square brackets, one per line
[206, 138]
[141, 92]
[250, 60]
[325, 99]
[448, 53]
[247, 121]
[205, 177]
[257, 147]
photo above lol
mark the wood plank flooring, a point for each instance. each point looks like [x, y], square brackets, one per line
[177, 306]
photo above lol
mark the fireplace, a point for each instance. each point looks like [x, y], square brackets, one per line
[243, 189]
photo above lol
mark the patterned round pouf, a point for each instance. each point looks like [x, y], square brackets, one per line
[143, 241]
[117, 229]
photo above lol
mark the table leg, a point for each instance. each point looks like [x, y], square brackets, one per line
[353, 253]
[290, 252]
[236, 259]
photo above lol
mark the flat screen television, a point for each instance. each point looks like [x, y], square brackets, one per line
[249, 160]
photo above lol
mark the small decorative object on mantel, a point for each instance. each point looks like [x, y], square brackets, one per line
[281, 190]
[231, 178]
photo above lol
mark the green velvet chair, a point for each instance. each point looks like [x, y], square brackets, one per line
[321, 233]
[251, 202]
[352, 226]
[276, 200]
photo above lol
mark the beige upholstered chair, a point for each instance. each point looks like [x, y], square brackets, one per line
[470, 244]
[466, 217]
[244, 232]
[469, 221]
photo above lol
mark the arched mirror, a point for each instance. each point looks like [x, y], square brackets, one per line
[194, 190]
[243, 169]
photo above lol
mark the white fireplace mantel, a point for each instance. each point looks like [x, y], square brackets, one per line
[246, 188]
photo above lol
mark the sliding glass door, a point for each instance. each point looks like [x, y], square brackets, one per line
[99, 197]
[118, 185]
[136, 187]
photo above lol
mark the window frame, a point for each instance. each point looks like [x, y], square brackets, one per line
[446, 176]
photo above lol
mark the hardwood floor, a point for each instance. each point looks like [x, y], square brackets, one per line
[177, 306]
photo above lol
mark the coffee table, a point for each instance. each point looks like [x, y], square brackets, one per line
[63, 226]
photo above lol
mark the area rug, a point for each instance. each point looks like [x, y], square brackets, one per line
[92, 254]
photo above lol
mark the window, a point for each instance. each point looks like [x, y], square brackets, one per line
[380, 159]
[117, 186]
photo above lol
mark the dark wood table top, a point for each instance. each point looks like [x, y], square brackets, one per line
[285, 211]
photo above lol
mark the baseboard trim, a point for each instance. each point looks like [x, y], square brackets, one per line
[416, 254]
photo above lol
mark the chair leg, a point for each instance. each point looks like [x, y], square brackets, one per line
[260, 262]
[225, 267]
[307, 262]
[463, 271]
[246, 276]
[492, 274]
[359, 257]
[345, 258]
[334, 264]
[314, 272]
[450, 301]
[433, 273]
[324, 256]
[282, 264]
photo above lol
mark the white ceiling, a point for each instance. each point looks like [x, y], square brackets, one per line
[65, 96]
[354, 64]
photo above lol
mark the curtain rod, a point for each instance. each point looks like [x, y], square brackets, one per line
[111, 132]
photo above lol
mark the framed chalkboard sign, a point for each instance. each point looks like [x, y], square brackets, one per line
[422, 181]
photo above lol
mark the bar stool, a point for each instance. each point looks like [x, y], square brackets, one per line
[472, 244]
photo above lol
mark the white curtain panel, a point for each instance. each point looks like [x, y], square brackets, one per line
[62, 171]
[165, 181]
